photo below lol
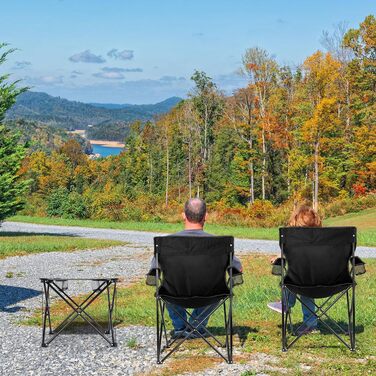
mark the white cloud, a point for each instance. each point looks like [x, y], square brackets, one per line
[121, 55]
[110, 75]
[87, 57]
[45, 80]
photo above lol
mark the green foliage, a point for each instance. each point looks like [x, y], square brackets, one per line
[62, 203]
[12, 189]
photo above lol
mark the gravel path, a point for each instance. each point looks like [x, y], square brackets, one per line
[79, 353]
[146, 238]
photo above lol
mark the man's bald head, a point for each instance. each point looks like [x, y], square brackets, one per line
[195, 210]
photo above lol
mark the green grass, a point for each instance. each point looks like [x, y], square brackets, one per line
[257, 329]
[20, 244]
[365, 221]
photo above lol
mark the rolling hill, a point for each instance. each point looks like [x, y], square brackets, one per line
[72, 115]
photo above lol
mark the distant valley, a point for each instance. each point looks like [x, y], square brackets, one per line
[103, 121]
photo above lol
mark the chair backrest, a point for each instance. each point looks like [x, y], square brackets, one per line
[194, 266]
[317, 256]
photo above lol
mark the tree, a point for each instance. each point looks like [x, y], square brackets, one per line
[12, 189]
[321, 82]
[208, 104]
[261, 70]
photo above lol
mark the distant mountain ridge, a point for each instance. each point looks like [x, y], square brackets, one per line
[167, 104]
[71, 115]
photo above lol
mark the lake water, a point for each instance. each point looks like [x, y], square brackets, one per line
[105, 151]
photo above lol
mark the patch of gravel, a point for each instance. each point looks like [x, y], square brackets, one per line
[80, 352]
[72, 353]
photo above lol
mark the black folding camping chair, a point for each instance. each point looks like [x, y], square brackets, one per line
[320, 264]
[193, 274]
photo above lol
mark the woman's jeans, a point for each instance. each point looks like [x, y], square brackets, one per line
[198, 314]
[308, 319]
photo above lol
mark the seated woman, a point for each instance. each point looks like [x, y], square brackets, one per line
[304, 216]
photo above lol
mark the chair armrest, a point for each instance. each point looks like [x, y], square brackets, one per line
[359, 265]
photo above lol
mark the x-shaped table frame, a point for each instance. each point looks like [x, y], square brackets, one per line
[79, 309]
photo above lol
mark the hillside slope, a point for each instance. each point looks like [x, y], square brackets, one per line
[77, 115]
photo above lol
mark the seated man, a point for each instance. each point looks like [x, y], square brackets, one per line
[194, 217]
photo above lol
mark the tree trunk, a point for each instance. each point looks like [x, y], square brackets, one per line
[316, 177]
[190, 170]
[251, 170]
[151, 176]
[263, 163]
[167, 171]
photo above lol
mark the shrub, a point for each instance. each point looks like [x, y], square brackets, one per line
[62, 203]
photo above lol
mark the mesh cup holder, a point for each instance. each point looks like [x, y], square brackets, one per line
[360, 266]
[63, 284]
[95, 285]
[277, 267]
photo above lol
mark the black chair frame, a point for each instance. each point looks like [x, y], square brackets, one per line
[107, 285]
[172, 344]
[321, 310]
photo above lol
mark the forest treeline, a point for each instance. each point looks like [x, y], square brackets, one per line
[293, 134]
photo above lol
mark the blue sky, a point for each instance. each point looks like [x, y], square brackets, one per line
[145, 51]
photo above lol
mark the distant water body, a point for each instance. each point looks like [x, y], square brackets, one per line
[106, 151]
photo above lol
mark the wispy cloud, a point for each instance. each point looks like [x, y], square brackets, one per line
[121, 55]
[110, 75]
[21, 64]
[117, 69]
[75, 74]
[45, 80]
[87, 57]
[171, 79]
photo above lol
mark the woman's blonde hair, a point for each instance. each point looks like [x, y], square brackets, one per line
[305, 216]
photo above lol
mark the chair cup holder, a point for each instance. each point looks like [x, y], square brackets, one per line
[95, 285]
[359, 269]
[63, 284]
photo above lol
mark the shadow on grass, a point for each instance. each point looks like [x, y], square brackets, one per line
[241, 331]
[11, 295]
[325, 331]
[18, 234]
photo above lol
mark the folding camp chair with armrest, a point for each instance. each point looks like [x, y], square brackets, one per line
[318, 266]
[193, 274]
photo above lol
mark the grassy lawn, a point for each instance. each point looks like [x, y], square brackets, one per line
[20, 244]
[257, 329]
[365, 221]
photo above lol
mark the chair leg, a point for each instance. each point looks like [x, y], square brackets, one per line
[230, 348]
[353, 319]
[159, 339]
[284, 321]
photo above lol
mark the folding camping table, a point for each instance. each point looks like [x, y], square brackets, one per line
[79, 309]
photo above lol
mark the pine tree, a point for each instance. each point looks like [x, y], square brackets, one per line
[11, 152]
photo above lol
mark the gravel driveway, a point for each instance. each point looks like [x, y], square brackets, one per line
[146, 238]
[84, 353]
